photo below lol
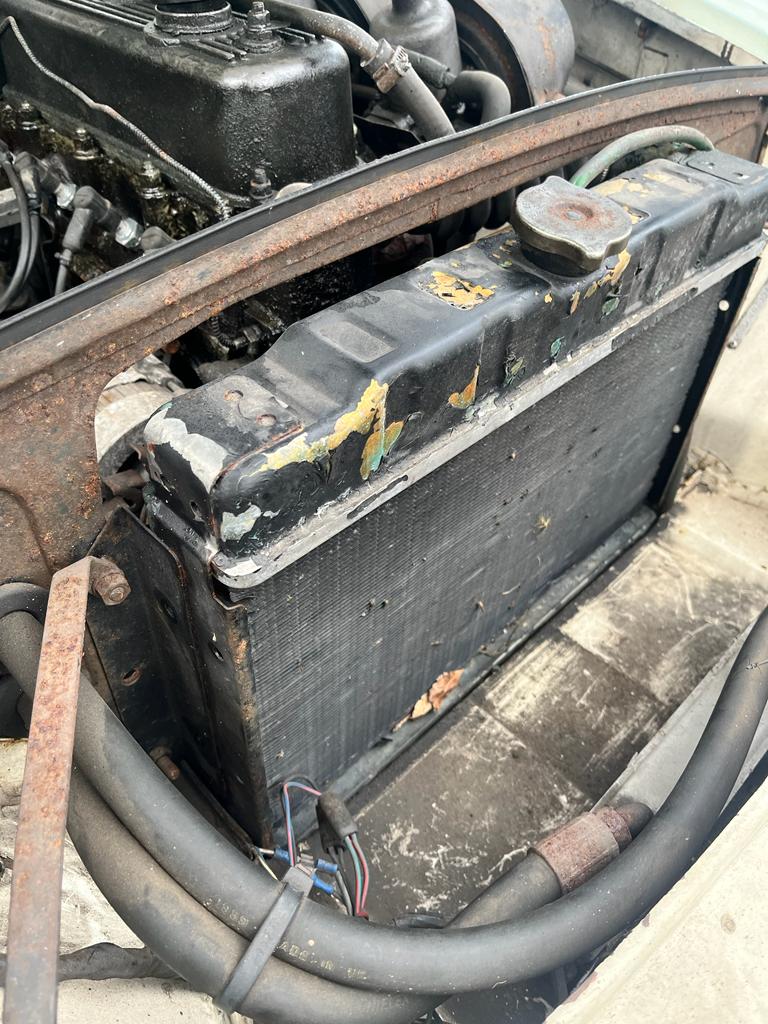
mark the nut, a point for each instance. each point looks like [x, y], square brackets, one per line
[111, 586]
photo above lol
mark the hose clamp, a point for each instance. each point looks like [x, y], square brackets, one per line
[297, 885]
[387, 66]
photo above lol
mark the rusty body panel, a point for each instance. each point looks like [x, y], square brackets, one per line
[33, 929]
[50, 382]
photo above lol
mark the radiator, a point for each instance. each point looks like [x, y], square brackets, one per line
[401, 475]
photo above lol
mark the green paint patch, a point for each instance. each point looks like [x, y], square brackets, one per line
[610, 305]
[514, 369]
[379, 444]
[554, 348]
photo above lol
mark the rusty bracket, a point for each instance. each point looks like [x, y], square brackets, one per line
[35, 914]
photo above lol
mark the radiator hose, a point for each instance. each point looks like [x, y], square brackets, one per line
[408, 90]
[172, 876]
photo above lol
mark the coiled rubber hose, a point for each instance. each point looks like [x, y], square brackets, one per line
[354, 954]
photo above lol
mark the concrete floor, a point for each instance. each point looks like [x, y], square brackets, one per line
[546, 735]
[699, 956]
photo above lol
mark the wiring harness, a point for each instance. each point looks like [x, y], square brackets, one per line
[340, 840]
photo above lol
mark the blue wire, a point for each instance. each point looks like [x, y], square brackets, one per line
[290, 837]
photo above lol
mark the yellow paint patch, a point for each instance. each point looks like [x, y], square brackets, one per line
[456, 292]
[611, 276]
[463, 399]
[369, 409]
[617, 185]
[548, 297]
[615, 273]
[574, 302]
[591, 290]
[675, 181]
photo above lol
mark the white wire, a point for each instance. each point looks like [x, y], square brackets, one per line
[221, 204]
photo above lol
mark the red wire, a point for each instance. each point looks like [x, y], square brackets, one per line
[289, 784]
[366, 872]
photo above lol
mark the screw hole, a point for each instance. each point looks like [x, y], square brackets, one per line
[132, 677]
[266, 420]
[233, 395]
[215, 651]
[167, 608]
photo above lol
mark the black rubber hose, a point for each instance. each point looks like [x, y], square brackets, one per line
[376, 958]
[409, 92]
[26, 249]
[480, 88]
[193, 942]
[432, 71]
[159, 910]
[491, 94]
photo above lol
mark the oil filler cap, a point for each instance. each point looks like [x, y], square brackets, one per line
[567, 229]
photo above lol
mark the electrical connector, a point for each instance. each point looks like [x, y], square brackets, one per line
[334, 819]
[325, 887]
[326, 866]
[126, 231]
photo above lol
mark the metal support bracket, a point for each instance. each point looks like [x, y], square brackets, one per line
[35, 913]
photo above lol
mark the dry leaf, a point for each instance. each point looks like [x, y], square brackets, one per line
[442, 686]
[433, 699]
[422, 707]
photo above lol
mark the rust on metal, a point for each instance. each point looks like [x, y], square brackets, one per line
[582, 847]
[50, 383]
[35, 914]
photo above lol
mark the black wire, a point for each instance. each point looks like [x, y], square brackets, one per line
[61, 276]
[34, 247]
[336, 855]
[26, 247]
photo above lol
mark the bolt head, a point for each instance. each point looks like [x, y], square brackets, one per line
[113, 588]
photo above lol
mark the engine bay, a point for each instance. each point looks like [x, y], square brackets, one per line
[343, 345]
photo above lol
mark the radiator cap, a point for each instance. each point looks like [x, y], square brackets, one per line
[568, 229]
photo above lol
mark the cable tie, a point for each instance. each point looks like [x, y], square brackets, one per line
[296, 887]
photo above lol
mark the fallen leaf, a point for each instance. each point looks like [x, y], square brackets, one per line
[442, 686]
[422, 707]
[433, 699]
